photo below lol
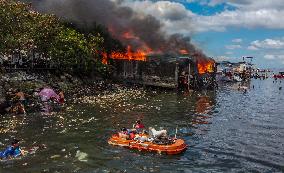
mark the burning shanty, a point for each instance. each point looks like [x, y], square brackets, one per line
[176, 71]
[152, 56]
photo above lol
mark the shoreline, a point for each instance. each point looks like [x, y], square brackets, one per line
[76, 90]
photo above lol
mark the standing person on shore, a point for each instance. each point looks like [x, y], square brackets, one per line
[21, 95]
[47, 96]
[21, 102]
[61, 97]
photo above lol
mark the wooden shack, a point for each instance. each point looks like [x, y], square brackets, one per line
[166, 71]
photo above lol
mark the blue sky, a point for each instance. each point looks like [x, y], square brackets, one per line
[225, 29]
[203, 9]
[214, 43]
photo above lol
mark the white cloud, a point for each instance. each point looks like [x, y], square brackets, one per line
[267, 44]
[275, 57]
[178, 19]
[265, 18]
[222, 58]
[269, 57]
[250, 4]
[252, 48]
[232, 47]
[266, 14]
[237, 40]
[174, 17]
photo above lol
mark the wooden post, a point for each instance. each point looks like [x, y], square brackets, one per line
[188, 76]
[176, 73]
[33, 56]
[124, 69]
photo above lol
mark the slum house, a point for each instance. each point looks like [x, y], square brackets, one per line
[243, 70]
[167, 71]
[26, 61]
[229, 71]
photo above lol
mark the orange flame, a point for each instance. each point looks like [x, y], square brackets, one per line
[203, 104]
[129, 55]
[104, 60]
[183, 51]
[205, 67]
[129, 35]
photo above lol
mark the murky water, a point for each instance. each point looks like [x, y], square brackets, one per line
[226, 130]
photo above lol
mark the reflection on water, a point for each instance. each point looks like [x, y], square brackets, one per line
[203, 104]
[227, 131]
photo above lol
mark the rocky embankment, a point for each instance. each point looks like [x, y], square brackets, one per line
[76, 90]
[31, 82]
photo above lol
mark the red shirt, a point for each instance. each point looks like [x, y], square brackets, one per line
[139, 126]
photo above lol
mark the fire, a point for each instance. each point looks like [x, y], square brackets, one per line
[129, 35]
[203, 104]
[104, 60]
[183, 51]
[205, 67]
[139, 55]
[129, 55]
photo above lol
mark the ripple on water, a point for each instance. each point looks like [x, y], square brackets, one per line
[226, 131]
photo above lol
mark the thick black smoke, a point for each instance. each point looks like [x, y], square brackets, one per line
[143, 29]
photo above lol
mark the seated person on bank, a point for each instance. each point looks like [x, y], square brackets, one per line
[126, 133]
[12, 151]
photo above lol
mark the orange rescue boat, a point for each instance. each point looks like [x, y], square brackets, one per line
[176, 147]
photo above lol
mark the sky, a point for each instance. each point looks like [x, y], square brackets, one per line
[224, 29]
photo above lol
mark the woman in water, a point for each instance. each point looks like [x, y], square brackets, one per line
[12, 151]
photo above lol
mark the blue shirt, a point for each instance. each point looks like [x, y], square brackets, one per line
[10, 151]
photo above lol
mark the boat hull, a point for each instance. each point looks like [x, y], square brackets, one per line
[177, 147]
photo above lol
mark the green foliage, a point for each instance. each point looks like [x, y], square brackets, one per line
[14, 24]
[69, 43]
[72, 49]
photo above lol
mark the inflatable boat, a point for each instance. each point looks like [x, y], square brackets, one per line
[175, 147]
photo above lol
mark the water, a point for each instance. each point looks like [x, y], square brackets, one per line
[227, 131]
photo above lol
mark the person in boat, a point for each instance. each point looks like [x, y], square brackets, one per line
[139, 126]
[12, 151]
[142, 138]
[126, 134]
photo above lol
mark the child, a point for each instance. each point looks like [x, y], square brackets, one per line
[12, 151]
[139, 126]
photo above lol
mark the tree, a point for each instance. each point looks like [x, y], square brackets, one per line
[75, 49]
[72, 50]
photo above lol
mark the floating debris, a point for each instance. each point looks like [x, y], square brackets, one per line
[81, 156]
[55, 156]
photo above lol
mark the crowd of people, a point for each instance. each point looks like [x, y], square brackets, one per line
[17, 101]
[139, 133]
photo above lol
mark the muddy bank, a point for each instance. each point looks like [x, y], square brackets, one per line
[76, 90]
[29, 83]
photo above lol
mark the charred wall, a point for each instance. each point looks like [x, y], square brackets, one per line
[164, 72]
